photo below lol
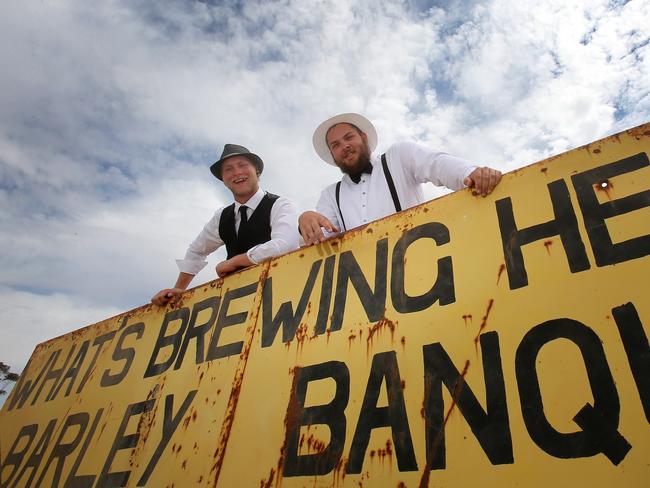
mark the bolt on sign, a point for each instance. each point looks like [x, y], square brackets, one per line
[465, 342]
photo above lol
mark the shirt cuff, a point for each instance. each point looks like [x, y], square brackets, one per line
[468, 172]
[249, 254]
[190, 267]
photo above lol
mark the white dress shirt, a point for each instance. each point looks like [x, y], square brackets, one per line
[410, 165]
[284, 234]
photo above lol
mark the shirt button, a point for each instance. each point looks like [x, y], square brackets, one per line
[364, 193]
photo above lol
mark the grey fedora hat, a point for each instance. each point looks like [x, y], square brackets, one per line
[358, 120]
[231, 150]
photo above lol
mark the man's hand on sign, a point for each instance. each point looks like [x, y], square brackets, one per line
[483, 180]
[310, 224]
[233, 264]
[163, 297]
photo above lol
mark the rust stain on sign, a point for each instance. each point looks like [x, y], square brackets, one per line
[547, 245]
[605, 186]
[377, 329]
[231, 409]
[502, 268]
[458, 388]
[483, 323]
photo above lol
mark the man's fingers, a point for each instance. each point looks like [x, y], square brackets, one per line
[163, 297]
[325, 223]
[483, 180]
[486, 181]
[312, 231]
[316, 233]
[497, 178]
[492, 181]
[311, 227]
[493, 177]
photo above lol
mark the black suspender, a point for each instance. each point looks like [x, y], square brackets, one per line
[338, 203]
[391, 184]
[391, 187]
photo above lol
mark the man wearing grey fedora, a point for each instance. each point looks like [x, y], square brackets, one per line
[373, 185]
[255, 227]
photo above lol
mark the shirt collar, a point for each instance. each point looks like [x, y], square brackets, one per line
[252, 202]
[357, 178]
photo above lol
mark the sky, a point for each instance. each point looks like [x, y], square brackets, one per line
[111, 113]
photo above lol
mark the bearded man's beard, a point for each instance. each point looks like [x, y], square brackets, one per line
[361, 164]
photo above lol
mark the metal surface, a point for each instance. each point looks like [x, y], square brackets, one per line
[465, 342]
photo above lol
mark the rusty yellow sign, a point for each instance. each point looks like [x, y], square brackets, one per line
[466, 342]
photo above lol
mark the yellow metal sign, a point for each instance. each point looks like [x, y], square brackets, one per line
[466, 342]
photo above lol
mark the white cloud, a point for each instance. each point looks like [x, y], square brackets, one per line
[29, 319]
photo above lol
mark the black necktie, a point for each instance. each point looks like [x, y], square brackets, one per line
[357, 177]
[243, 216]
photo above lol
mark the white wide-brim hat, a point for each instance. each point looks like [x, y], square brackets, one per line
[320, 144]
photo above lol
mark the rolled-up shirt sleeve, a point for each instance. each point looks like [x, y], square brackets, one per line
[439, 168]
[284, 232]
[205, 243]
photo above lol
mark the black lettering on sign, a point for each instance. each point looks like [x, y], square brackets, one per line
[443, 288]
[595, 213]
[25, 387]
[325, 296]
[55, 375]
[384, 368]
[564, 224]
[121, 442]
[73, 370]
[605, 412]
[122, 354]
[77, 423]
[35, 458]
[216, 351]
[637, 349]
[491, 428]
[170, 423]
[331, 414]
[374, 302]
[83, 481]
[164, 341]
[99, 342]
[285, 316]
[198, 331]
[607, 440]
[14, 457]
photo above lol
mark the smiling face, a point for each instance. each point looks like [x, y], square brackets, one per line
[240, 176]
[349, 147]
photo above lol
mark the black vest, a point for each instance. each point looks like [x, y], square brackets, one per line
[256, 231]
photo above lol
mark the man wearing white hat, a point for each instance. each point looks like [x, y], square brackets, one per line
[374, 186]
[256, 227]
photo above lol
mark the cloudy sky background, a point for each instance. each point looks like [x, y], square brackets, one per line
[111, 112]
